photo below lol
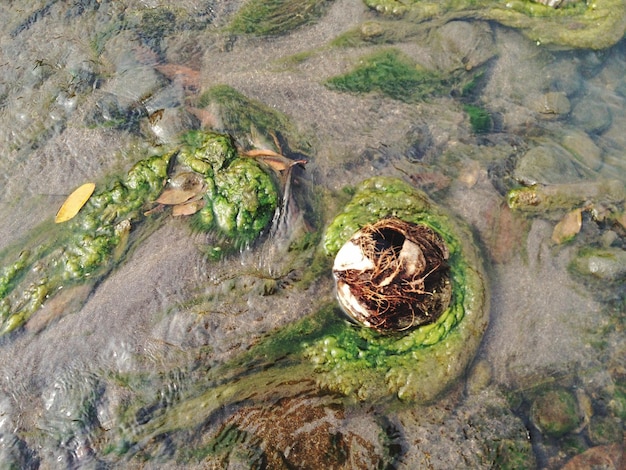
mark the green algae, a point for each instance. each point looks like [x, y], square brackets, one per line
[240, 201]
[324, 351]
[480, 119]
[276, 17]
[86, 247]
[391, 73]
[584, 25]
[243, 116]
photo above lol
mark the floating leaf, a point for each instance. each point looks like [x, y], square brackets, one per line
[568, 227]
[74, 203]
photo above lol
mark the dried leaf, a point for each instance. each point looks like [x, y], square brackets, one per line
[156, 116]
[174, 196]
[188, 208]
[74, 203]
[568, 227]
[254, 153]
[155, 210]
[275, 161]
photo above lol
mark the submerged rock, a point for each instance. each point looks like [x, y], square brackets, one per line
[547, 163]
[552, 105]
[605, 264]
[584, 149]
[592, 115]
[555, 412]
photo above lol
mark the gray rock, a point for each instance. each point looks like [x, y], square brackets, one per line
[547, 163]
[584, 149]
[592, 115]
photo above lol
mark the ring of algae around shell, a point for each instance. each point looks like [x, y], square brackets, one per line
[326, 351]
[418, 364]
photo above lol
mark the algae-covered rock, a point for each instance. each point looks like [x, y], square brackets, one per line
[555, 412]
[410, 364]
[593, 25]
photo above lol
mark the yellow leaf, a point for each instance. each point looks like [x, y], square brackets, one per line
[274, 160]
[74, 203]
[568, 227]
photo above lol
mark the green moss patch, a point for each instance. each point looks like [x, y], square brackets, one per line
[276, 17]
[391, 73]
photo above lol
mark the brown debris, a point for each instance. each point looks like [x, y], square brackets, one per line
[187, 77]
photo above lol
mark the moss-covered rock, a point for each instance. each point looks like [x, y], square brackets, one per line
[555, 412]
[586, 25]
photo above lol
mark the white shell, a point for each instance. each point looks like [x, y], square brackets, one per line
[350, 256]
[350, 304]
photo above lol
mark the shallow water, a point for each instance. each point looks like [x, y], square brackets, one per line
[76, 383]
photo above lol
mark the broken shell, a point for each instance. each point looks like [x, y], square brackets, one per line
[393, 275]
